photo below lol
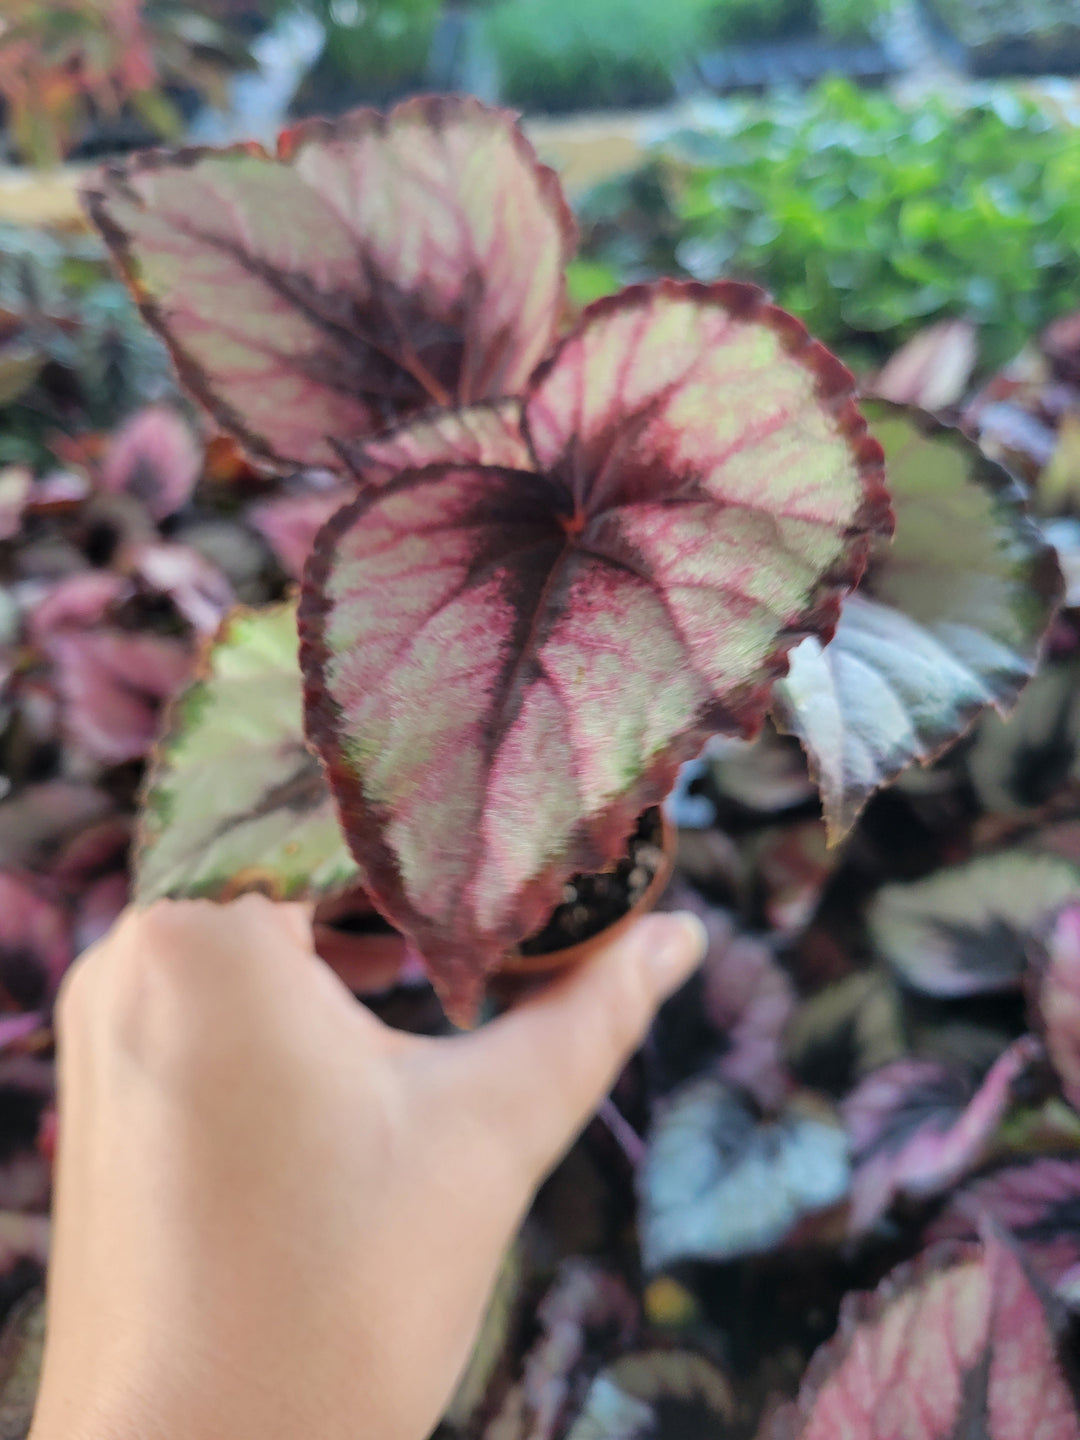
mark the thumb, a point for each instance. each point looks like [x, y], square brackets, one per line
[545, 1067]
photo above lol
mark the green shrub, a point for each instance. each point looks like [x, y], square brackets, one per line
[977, 21]
[566, 54]
[865, 218]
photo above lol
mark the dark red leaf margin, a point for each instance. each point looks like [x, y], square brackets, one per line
[433, 111]
[459, 976]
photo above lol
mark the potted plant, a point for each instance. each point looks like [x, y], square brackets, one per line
[564, 564]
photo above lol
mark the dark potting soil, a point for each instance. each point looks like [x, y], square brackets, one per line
[593, 902]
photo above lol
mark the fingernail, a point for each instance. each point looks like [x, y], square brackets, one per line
[674, 948]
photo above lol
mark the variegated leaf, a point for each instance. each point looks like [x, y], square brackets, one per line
[504, 667]
[234, 799]
[377, 265]
[948, 620]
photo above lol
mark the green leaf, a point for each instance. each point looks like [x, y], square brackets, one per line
[948, 620]
[234, 800]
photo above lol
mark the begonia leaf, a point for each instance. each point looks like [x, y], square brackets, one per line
[655, 1393]
[918, 1126]
[768, 774]
[505, 668]
[793, 863]
[947, 621]
[153, 457]
[1020, 762]
[718, 1182]
[747, 998]
[1037, 1200]
[35, 942]
[965, 1349]
[1057, 998]
[198, 589]
[78, 602]
[964, 929]
[112, 684]
[933, 369]
[234, 799]
[289, 523]
[41, 817]
[375, 266]
[847, 1029]
[585, 1309]
[489, 434]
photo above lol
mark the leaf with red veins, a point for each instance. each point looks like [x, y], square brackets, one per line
[1056, 998]
[504, 669]
[378, 265]
[112, 684]
[1036, 1199]
[290, 523]
[940, 1352]
[489, 434]
[155, 458]
[917, 1127]
[35, 942]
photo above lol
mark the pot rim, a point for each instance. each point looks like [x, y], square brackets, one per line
[555, 960]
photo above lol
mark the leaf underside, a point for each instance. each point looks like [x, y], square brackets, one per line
[378, 265]
[505, 666]
[234, 799]
[948, 620]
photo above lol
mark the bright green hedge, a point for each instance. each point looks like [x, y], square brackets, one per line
[865, 218]
[579, 54]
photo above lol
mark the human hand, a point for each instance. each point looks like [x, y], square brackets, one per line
[275, 1216]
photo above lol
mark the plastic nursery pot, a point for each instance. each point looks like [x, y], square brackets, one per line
[655, 841]
[364, 951]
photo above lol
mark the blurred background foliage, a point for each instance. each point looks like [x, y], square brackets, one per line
[88, 76]
[866, 218]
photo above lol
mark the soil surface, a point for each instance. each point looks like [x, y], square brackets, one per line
[593, 902]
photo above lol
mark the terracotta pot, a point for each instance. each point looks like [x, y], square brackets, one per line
[366, 961]
[522, 972]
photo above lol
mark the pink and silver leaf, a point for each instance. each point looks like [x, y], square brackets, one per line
[504, 668]
[960, 1344]
[376, 266]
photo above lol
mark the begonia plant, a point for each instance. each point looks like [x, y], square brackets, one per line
[567, 550]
